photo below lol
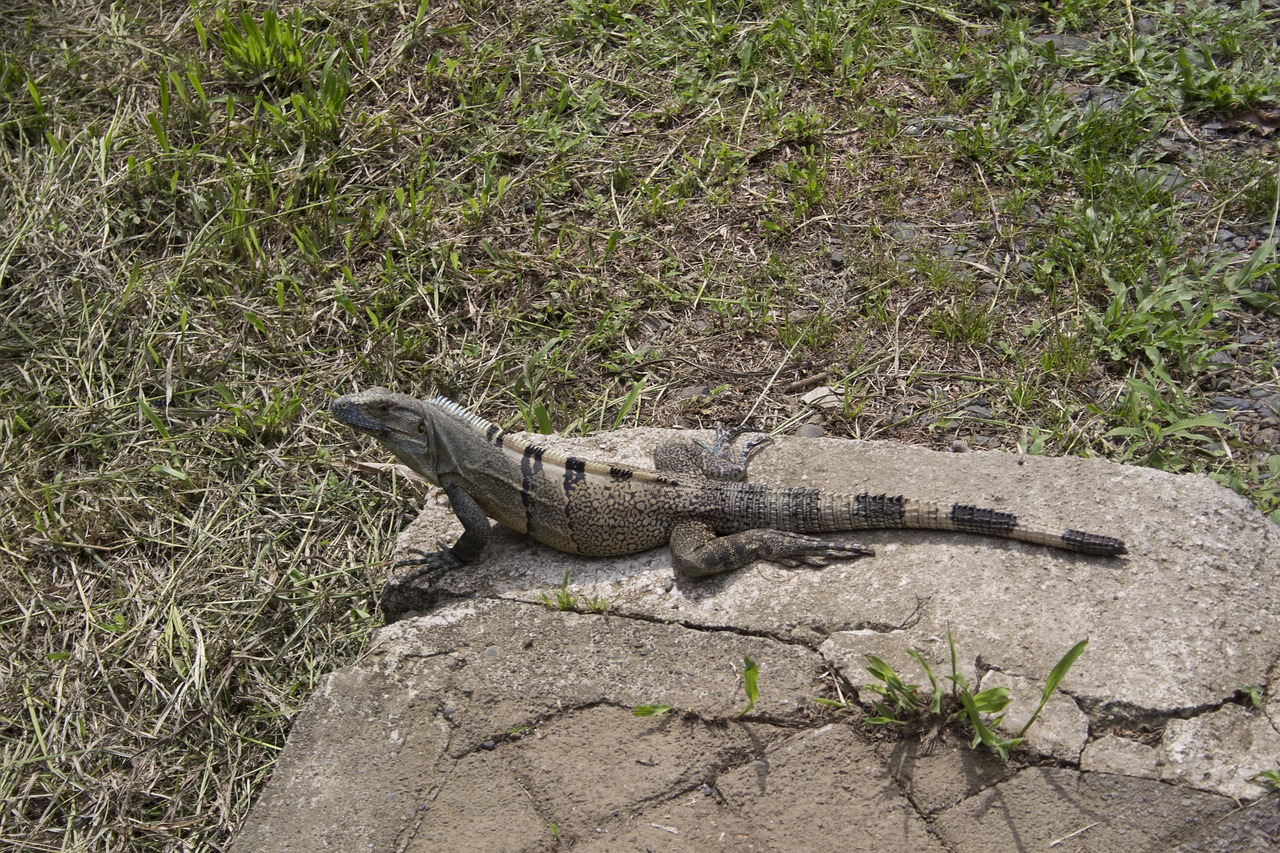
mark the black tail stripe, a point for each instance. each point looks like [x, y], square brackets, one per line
[976, 519]
[1093, 543]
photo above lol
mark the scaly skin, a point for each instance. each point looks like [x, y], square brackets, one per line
[697, 501]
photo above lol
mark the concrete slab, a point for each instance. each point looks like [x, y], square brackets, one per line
[496, 723]
[1044, 808]
[1195, 599]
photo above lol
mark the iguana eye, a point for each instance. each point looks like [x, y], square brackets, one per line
[422, 426]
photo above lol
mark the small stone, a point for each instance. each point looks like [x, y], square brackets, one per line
[1063, 43]
[901, 232]
[823, 397]
[1267, 438]
[690, 392]
[958, 445]
[810, 431]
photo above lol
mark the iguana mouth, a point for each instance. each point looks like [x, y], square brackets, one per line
[352, 416]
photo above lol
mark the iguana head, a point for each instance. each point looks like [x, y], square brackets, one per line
[399, 422]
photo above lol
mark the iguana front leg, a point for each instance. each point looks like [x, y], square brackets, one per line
[697, 551]
[475, 535]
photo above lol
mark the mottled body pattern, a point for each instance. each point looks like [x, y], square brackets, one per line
[697, 501]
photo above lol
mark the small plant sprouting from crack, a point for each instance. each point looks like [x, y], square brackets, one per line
[903, 704]
[750, 683]
[565, 600]
[1269, 777]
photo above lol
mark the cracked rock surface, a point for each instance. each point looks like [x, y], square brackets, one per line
[489, 721]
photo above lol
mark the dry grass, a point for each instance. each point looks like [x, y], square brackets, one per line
[534, 207]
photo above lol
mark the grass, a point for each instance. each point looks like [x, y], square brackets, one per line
[905, 706]
[573, 216]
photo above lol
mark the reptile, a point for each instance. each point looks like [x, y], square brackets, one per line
[697, 500]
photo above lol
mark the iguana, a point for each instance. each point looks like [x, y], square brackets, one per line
[697, 501]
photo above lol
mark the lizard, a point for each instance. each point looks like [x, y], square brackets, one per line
[696, 500]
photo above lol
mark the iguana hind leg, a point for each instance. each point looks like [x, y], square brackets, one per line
[697, 552]
[715, 461]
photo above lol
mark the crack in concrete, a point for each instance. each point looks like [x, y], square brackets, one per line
[711, 628]
[1098, 712]
[1102, 712]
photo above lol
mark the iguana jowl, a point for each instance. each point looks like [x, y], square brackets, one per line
[697, 501]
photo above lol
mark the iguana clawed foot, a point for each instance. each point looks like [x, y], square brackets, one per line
[697, 551]
[430, 564]
[715, 461]
[721, 463]
[823, 552]
[411, 593]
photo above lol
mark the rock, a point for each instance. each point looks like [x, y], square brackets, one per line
[1113, 754]
[1220, 751]
[1042, 807]
[1063, 43]
[487, 720]
[1268, 437]
[901, 232]
[691, 391]
[823, 397]
[1061, 729]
